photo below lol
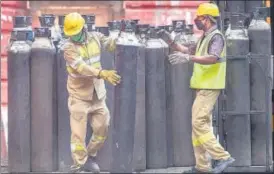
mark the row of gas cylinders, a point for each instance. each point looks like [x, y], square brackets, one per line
[150, 110]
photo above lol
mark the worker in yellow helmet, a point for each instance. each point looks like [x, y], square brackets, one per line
[208, 79]
[87, 92]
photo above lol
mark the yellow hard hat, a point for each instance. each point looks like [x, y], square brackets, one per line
[208, 9]
[73, 24]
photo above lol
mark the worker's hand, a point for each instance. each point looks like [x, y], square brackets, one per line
[110, 76]
[166, 36]
[178, 57]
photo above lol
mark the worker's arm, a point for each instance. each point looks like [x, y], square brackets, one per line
[179, 47]
[73, 58]
[215, 49]
[108, 43]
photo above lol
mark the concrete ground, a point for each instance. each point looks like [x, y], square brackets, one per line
[253, 169]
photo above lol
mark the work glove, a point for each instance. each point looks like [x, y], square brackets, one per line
[166, 36]
[110, 76]
[178, 57]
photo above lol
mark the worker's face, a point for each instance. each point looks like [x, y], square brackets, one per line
[200, 22]
[78, 37]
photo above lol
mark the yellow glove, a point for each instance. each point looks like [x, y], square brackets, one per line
[110, 76]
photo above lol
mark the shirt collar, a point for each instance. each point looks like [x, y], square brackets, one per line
[214, 27]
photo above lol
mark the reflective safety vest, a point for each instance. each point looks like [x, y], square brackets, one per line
[81, 86]
[90, 53]
[208, 76]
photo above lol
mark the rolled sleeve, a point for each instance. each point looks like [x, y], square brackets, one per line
[216, 46]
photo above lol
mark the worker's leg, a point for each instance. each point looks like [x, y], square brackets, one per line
[78, 123]
[99, 121]
[202, 163]
[201, 124]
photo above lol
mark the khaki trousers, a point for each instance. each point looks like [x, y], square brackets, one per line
[203, 138]
[97, 113]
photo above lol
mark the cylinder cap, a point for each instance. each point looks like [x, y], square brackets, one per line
[136, 20]
[47, 20]
[189, 29]
[142, 28]
[103, 30]
[179, 25]
[128, 26]
[89, 19]
[61, 20]
[22, 21]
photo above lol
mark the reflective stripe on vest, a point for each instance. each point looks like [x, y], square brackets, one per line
[90, 54]
[208, 76]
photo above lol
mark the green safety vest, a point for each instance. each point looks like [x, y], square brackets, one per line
[208, 76]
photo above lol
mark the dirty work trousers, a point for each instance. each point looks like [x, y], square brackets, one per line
[203, 138]
[97, 113]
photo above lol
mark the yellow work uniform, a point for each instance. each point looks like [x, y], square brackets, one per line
[207, 80]
[87, 94]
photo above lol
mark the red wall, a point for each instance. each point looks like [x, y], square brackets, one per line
[162, 12]
[8, 10]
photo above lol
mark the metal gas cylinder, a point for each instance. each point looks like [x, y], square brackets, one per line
[19, 125]
[180, 99]
[156, 53]
[43, 103]
[259, 32]
[64, 132]
[107, 61]
[237, 92]
[129, 117]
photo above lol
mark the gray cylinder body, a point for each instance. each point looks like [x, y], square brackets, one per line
[125, 104]
[43, 106]
[259, 33]
[237, 126]
[181, 100]
[107, 61]
[156, 52]
[64, 132]
[19, 107]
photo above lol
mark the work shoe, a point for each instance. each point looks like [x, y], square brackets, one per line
[91, 165]
[194, 170]
[221, 165]
[76, 169]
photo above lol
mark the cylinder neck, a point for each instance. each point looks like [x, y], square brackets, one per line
[237, 21]
[42, 32]
[114, 25]
[22, 21]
